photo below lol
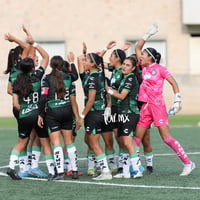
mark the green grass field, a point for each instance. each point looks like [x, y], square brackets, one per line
[165, 183]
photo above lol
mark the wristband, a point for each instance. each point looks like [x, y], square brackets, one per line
[110, 91]
[82, 116]
[35, 44]
[105, 49]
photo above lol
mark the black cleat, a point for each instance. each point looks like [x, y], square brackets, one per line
[149, 170]
[12, 173]
[75, 175]
[51, 177]
[58, 177]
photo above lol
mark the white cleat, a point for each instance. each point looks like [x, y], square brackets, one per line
[188, 169]
[103, 176]
[121, 175]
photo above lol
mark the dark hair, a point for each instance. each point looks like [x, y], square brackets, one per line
[120, 54]
[23, 85]
[13, 57]
[137, 70]
[57, 64]
[95, 58]
[66, 66]
[156, 56]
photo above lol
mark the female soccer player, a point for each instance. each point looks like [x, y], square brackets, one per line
[154, 108]
[95, 102]
[128, 116]
[58, 100]
[26, 163]
[26, 93]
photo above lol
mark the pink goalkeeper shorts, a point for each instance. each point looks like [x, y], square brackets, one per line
[153, 113]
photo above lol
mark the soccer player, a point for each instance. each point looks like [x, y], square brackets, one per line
[154, 108]
[128, 116]
[95, 102]
[59, 102]
[29, 157]
[26, 94]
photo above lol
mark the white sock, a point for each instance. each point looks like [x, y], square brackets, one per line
[148, 158]
[23, 160]
[50, 163]
[59, 158]
[102, 162]
[29, 155]
[36, 152]
[67, 164]
[126, 163]
[91, 160]
[110, 155]
[135, 162]
[72, 153]
[13, 159]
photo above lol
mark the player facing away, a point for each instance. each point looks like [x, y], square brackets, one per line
[154, 108]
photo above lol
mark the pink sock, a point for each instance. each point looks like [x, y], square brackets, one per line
[176, 146]
[137, 141]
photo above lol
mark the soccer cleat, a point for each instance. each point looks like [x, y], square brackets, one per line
[97, 171]
[12, 173]
[103, 176]
[188, 169]
[58, 177]
[138, 173]
[37, 172]
[51, 177]
[149, 170]
[90, 172]
[75, 175]
[23, 174]
[69, 173]
[122, 175]
[113, 171]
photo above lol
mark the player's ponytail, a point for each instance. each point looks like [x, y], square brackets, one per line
[57, 65]
[23, 85]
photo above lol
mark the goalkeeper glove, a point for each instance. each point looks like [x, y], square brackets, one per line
[107, 113]
[151, 31]
[176, 107]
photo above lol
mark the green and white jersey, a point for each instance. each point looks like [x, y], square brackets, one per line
[95, 81]
[129, 104]
[49, 89]
[15, 71]
[115, 81]
[29, 104]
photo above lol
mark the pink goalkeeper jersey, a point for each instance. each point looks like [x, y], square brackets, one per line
[151, 88]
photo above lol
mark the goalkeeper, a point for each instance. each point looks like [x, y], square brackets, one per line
[150, 92]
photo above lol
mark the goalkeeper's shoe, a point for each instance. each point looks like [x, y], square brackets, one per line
[12, 173]
[37, 172]
[103, 176]
[188, 169]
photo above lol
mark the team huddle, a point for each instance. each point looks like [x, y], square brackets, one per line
[126, 104]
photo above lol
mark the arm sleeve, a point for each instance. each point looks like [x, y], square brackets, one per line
[72, 89]
[74, 73]
[164, 72]
[43, 98]
[39, 72]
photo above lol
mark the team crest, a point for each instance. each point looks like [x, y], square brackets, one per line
[153, 72]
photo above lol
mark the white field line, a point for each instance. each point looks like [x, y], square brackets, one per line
[115, 184]
[157, 155]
